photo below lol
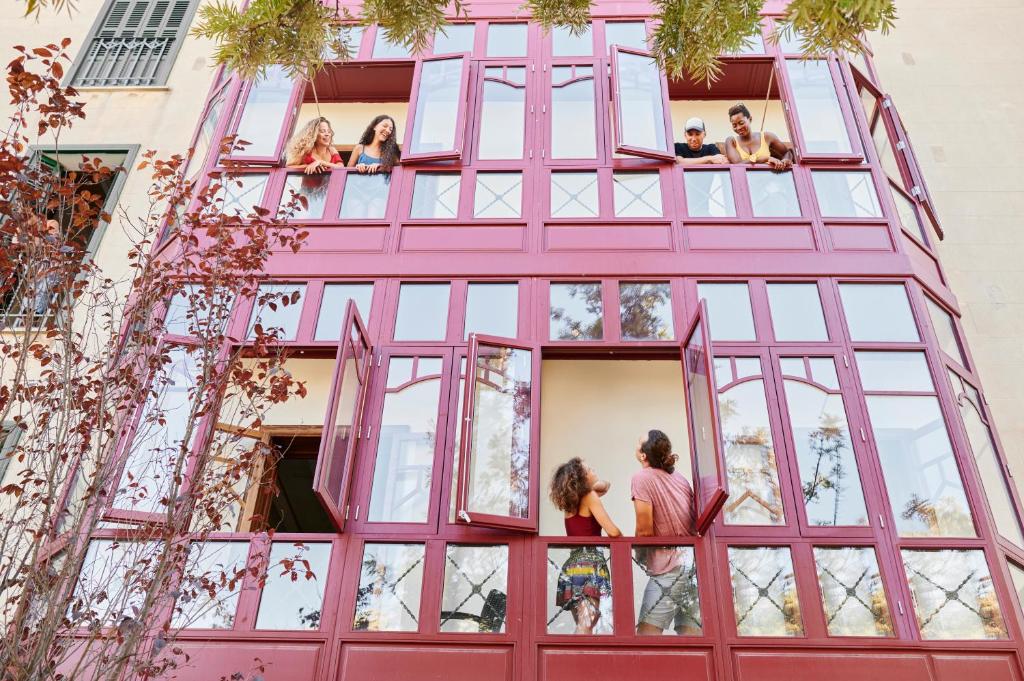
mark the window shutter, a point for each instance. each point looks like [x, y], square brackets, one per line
[134, 44]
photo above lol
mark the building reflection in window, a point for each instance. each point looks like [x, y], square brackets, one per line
[953, 594]
[475, 595]
[390, 588]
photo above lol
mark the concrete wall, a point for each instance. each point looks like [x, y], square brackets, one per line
[952, 69]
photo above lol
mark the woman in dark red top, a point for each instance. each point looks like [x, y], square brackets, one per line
[312, 148]
[585, 578]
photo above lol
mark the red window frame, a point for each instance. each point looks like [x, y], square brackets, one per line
[856, 153]
[291, 110]
[711, 488]
[356, 346]
[622, 145]
[529, 89]
[410, 156]
[547, 107]
[463, 514]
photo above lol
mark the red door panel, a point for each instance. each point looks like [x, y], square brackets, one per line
[625, 665]
[955, 667]
[781, 666]
[424, 663]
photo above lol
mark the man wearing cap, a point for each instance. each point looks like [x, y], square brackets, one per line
[694, 152]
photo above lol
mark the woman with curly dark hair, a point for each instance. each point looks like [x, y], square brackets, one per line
[378, 150]
[585, 578]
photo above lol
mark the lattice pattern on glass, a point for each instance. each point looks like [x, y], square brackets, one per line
[278, 306]
[577, 311]
[332, 308]
[878, 312]
[436, 195]
[404, 462]
[390, 588]
[829, 474]
[772, 195]
[645, 311]
[242, 192]
[475, 595]
[637, 195]
[990, 468]
[665, 594]
[954, 597]
[852, 592]
[764, 591]
[365, 196]
[311, 188]
[296, 579]
[579, 584]
[498, 195]
[574, 195]
[817, 105]
[422, 311]
[709, 194]
[210, 585]
[846, 194]
[573, 114]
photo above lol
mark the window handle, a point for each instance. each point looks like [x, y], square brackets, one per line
[881, 521]
[899, 604]
[464, 517]
[357, 512]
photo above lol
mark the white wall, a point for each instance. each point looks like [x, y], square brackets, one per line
[598, 409]
[349, 119]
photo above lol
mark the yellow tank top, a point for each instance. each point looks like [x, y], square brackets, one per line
[761, 154]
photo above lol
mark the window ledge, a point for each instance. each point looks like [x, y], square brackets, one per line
[122, 88]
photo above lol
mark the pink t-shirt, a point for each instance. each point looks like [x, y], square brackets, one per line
[671, 500]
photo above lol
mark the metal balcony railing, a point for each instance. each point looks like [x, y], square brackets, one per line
[123, 61]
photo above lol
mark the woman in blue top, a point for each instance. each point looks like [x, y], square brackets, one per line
[377, 151]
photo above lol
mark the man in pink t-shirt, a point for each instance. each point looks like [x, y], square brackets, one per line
[663, 501]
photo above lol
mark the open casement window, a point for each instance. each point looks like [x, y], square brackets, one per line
[709, 473]
[246, 505]
[437, 127]
[642, 121]
[497, 457]
[342, 427]
[822, 124]
[264, 114]
[903, 147]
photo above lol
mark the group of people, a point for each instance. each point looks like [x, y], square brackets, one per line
[312, 148]
[663, 503]
[745, 146]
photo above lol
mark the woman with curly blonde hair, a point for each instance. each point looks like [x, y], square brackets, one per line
[312, 148]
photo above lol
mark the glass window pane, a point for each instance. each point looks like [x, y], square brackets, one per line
[908, 215]
[492, 309]
[210, 585]
[404, 463]
[752, 45]
[390, 586]
[475, 593]
[204, 140]
[159, 437]
[625, 34]
[422, 312]
[637, 195]
[709, 194]
[502, 121]
[883, 145]
[577, 312]
[729, 313]
[764, 591]
[796, 312]
[993, 477]
[945, 331]
[454, 38]
[565, 43]
[265, 110]
[846, 194]
[499, 443]
[506, 40]
[954, 597]
[1017, 575]
[437, 106]
[574, 195]
[641, 103]
[111, 586]
[823, 371]
[573, 117]
[242, 192]
[352, 37]
[645, 311]
[817, 105]
[498, 195]
[278, 306]
[878, 312]
[747, 366]
[666, 599]
[436, 195]
[312, 188]
[296, 578]
[385, 49]
[755, 497]
[921, 474]
[852, 591]
[196, 310]
[829, 477]
[332, 308]
[580, 588]
[900, 371]
[365, 196]
[789, 41]
[772, 195]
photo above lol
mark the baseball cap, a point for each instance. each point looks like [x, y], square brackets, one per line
[694, 124]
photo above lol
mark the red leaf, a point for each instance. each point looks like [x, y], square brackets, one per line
[42, 52]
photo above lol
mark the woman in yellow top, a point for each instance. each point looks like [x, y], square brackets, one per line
[747, 146]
